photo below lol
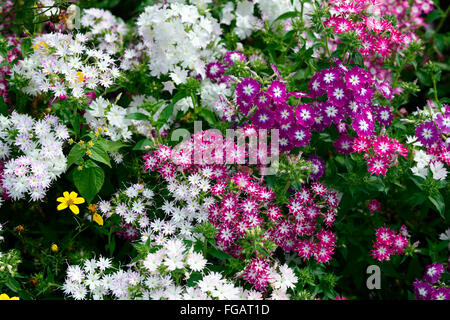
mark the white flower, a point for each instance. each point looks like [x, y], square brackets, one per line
[445, 235]
[196, 261]
[438, 170]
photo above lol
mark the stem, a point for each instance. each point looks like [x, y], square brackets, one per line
[435, 93]
[441, 23]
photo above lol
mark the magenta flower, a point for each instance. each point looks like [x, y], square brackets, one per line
[215, 71]
[363, 125]
[305, 115]
[247, 89]
[422, 290]
[427, 133]
[318, 166]
[374, 206]
[433, 272]
[277, 90]
[384, 115]
[443, 122]
[344, 144]
[300, 136]
[232, 56]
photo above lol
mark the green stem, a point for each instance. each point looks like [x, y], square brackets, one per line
[441, 23]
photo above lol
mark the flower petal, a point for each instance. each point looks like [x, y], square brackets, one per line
[61, 199]
[98, 218]
[73, 195]
[66, 194]
[74, 209]
[62, 206]
[78, 200]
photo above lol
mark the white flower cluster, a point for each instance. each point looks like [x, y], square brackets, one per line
[188, 207]
[179, 39]
[97, 279]
[104, 114]
[210, 94]
[65, 66]
[32, 152]
[424, 161]
[155, 279]
[106, 30]
[172, 256]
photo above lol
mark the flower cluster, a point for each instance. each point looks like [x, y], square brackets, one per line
[104, 29]
[431, 136]
[97, 279]
[32, 155]
[178, 39]
[259, 273]
[381, 152]
[431, 287]
[64, 65]
[388, 243]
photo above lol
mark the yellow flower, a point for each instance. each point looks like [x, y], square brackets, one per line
[89, 152]
[54, 247]
[4, 296]
[98, 218]
[80, 76]
[39, 44]
[90, 143]
[70, 200]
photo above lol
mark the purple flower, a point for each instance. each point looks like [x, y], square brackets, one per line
[440, 294]
[443, 122]
[300, 136]
[305, 115]
[277, 90]
[318, 166]
[330, 76]
[344, 144]
[215, 71]
[363, 125]
[262, 100]
[385, 90]
[284, 114]
[332, 113]
[422, 290]
[247, 89]
[285, 144]
[232, 56]
[338, 94]
[356, 78]
[433, 272]
[363, 95]
[427, 133]
[263, 118]
[384, 115]
[315, 86]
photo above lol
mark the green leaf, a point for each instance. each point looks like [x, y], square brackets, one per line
[25, 46]
[3, 108]
[142, 143]
[287, 15]
[109, 145]
[99, 154]
[136, 116]
[166, 113]
[438, 201]
[219, 254]
[75, 155]
[207, 115]
[89, 180]
[433, 15]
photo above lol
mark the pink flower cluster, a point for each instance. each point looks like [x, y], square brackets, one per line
[381, 152]
[388, 243]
